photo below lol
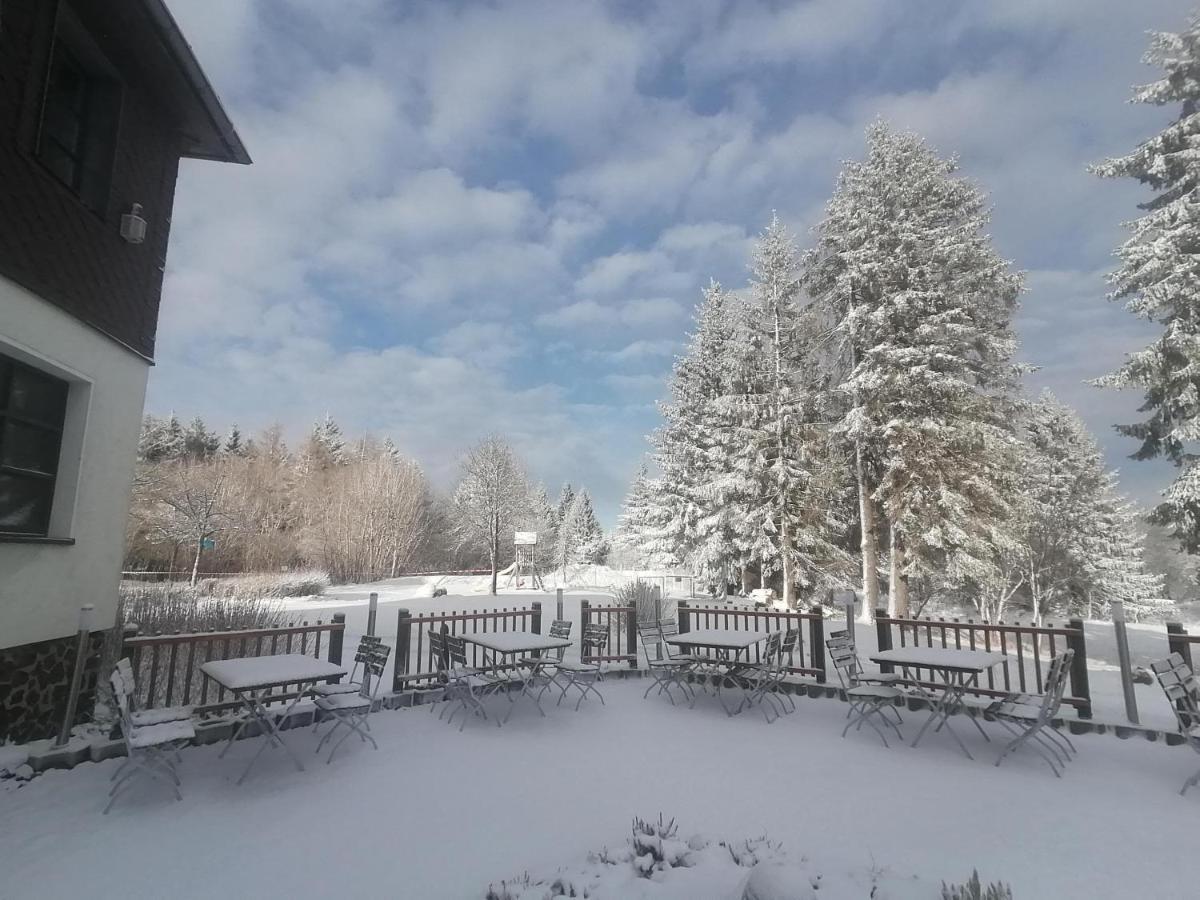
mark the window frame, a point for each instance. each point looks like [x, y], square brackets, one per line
[70, 40]
[9, 367]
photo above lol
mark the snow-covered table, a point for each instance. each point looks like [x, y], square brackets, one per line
[500, 644]
[722, 642]
[959, 671]
[251, 681]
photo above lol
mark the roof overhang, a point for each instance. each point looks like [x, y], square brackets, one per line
[149, 40]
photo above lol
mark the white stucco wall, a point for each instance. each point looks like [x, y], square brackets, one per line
[42, 586]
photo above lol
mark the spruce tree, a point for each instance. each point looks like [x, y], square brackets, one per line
[1158, 278]
[234, 445]
[908, 276]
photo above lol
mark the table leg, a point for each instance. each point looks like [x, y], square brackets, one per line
[266, 720]
[947, 703]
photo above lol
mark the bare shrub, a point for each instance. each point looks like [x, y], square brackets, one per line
[651, 605]
[973, 890]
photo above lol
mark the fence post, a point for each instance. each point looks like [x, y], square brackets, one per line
[684, 624]
[883, 636]
[631, 634]
[1079, 669]
[558, 604]
[372, 612]
[1122, 636]
[585, 613]
[1177, 643]
[403, 640]
[537, 617]
[816, 637]
[81, 654]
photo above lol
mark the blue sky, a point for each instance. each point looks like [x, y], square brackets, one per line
[467, 218]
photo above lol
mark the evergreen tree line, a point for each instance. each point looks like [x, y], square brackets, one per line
[856, 416]
[357, 509]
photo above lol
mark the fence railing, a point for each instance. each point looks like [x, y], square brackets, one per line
[809, 655]
[621, 620]
[1179, 641]
[415, 665]
[1028, 650]
[167, 666]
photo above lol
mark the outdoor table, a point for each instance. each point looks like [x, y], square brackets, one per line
[509, 643]
[722, 642]
[251, 680]
[959, 670]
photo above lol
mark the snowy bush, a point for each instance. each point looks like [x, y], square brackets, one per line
[648, 599]
[301, 583]
[657, 847]
[973, 890]
[166, 607]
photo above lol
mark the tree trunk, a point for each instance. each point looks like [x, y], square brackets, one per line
[495, 551]
[196, 560]
[870, 539]
[898, 600]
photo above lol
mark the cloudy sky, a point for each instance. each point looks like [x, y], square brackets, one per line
[466, 218]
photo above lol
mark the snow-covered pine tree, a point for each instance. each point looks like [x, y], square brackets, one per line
[173, 442]
[702, 501]
[198, 441]
[925, 304]
[780, 447]
[592, 545]
[234, 445]
[1081, 548]
[644, 525]
[1158, 278]
[325, 447]
[152, 440]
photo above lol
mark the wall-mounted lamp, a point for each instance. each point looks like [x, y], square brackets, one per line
[133, 226]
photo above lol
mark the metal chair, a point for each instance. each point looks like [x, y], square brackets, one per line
[352, 709]
[866, 700]
[1030, 717]
[465, 685]
[366, 646]
[667, 671]
[764, 680]
[864, 676]
[547, 659]
[152, 748]
[580, 675]
[1183, 692]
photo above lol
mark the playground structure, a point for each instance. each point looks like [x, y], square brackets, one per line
[525, 564]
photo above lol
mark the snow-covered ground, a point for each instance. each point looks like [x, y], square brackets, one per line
[440, 814]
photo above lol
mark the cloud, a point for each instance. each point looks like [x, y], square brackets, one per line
[461, 210]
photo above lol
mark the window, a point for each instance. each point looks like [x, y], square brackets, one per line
[32, 410]
[79, 116]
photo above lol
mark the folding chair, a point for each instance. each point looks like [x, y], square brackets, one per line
[548, 659]
[667, 671]
[464, 684]
[149, 716]
[700, 665]
[152, 748]
[1031, 717]
[764, 680]
[352, 710]
[842, 637]
[367, 645]
[866, 700]
[580, 675]
[1183, 693]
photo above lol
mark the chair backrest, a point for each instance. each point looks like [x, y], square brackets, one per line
[595, 637]
[668, 628]
[122, 691]
[651, 640]
[1056, 684]
[437, 649]
[1182, 690]
[456, 647]
[771, 648]
[791, 640]
[366, 644]
[845, 660]
[560, 628]
[375, 656]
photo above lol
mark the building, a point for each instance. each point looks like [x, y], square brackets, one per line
[99, 100]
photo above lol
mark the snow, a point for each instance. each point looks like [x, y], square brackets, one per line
[937, 658]
[718, 637]
[440, 814]
[516, 641]
[261, 671]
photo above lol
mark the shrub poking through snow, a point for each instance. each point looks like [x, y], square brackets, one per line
[973, 890]
[651, 605]
[657, 847]
[525, 888]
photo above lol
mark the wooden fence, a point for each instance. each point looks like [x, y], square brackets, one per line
[809, 655]
[167, 666]
[415, 665]
[1179, 641]
[621, 620]
[1028, 650]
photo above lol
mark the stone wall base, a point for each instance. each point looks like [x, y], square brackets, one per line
[35, 680]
